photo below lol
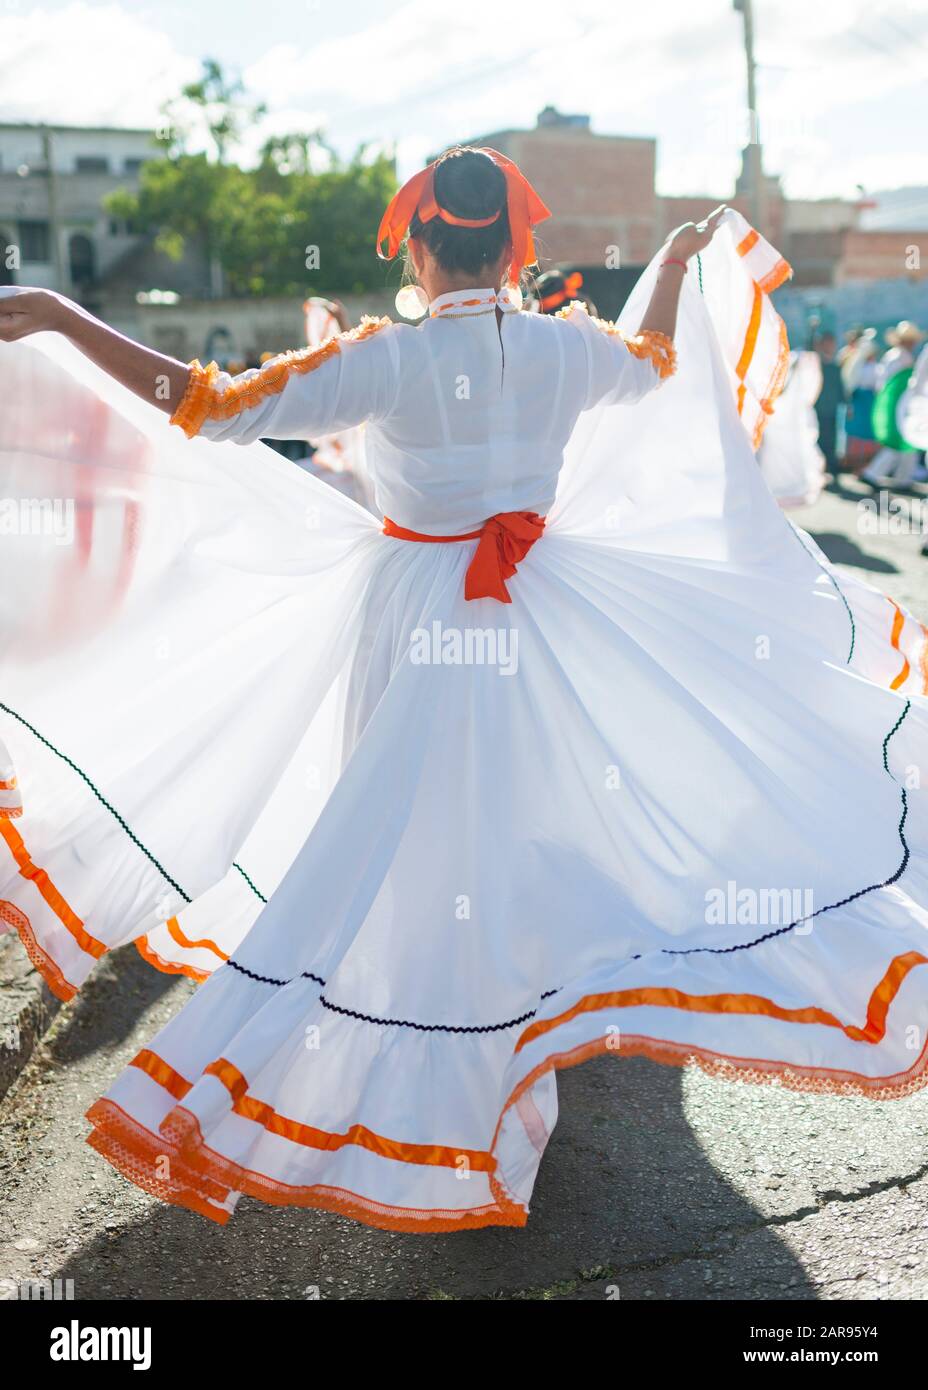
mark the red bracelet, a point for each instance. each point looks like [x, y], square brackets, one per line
[672, 260]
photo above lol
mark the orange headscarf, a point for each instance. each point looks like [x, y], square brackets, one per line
[417, 195]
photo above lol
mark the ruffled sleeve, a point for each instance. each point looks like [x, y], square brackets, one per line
[297, 395]
[621, 368]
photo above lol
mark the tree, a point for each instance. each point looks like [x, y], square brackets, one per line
[284, 227]
[214, 102]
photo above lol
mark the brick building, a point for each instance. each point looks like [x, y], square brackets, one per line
[601, 190]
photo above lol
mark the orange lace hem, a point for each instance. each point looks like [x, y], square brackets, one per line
[43, 884]
[201, 401]
[60, 987]
[178, 1167]
[168, 967]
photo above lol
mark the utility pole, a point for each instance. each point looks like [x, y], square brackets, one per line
[753, 160]
[54, 231]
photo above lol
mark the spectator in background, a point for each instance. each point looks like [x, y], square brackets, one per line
[896, 465]
[903, 340]
[852, 338]
[830, 398]
[858, 362]
[557, 288]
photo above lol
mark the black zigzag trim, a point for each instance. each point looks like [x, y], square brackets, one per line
[269, 979]
[830, 907]
[249, 882]
[392, 1022]
[113, 812]
[102, 800]
[837, 587]
[429, 1027]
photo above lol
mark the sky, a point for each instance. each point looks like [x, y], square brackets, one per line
[842, 84]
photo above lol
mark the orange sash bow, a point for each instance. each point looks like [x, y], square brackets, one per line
[505, 540]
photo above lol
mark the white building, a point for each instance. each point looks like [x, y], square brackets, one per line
[54, 231]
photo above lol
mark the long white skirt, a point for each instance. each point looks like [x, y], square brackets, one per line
[668, 805]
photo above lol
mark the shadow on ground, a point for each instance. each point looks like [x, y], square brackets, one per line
[107, 1009]
[625, 1198]
[841, 550]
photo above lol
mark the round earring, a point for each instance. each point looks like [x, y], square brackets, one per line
[411, 301]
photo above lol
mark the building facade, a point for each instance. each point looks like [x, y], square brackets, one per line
[608, 219]
[54, 230]
[602, 192]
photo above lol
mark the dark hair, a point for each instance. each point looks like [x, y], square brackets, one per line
[552, 285]
[467, 184]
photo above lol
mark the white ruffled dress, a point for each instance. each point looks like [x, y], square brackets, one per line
[424, 851]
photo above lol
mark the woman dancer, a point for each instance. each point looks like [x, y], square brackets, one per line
[585, 751]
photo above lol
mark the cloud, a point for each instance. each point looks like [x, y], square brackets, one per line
[87, 64]
[840, 81]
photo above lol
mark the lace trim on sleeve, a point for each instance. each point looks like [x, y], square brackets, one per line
[656, 347]
[194, 406]
[202, 402]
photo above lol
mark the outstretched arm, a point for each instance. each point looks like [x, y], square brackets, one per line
[296, 395]
[159, 380]
[661, 313]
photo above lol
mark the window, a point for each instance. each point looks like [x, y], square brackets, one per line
[92, 164]
[82, 260]
[132, 166]
[34, 241]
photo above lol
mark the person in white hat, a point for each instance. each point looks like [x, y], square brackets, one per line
[896, 465]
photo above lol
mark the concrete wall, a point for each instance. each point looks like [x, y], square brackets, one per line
[249, 326]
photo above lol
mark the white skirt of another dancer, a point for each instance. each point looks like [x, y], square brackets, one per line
[792, 463]
[671, 807]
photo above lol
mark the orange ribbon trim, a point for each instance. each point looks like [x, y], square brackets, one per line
[41, 881]
[250, 1108]
[657, 996]
[505, 540]
[417, 195]
[898, 625]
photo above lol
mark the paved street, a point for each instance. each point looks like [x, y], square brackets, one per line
[666, 1184]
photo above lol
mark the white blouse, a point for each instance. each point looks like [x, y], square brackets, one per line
[466, 414]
